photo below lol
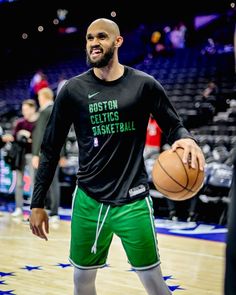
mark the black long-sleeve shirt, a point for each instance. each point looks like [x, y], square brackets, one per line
[110, 121]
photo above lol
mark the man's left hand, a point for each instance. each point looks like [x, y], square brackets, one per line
[192, 149]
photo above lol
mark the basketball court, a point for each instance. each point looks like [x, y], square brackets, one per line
[192, 260]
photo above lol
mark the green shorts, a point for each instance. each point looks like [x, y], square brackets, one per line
[93, 225]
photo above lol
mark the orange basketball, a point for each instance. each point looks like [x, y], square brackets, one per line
[174, 179]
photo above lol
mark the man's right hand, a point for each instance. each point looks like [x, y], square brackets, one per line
[7, 138]
[39, 223]
[35, 162]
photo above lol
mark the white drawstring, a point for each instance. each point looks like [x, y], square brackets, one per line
[98, 230]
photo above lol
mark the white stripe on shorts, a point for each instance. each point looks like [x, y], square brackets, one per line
[152, 222]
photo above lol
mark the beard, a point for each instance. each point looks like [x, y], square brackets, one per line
[104, 61]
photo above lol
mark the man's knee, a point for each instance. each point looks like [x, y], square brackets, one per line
[86, 276]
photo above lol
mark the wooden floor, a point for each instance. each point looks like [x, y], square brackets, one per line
[196, 266]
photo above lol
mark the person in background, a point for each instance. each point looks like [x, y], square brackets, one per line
[35, 80]
[211, 89]
[42, 83]
[109, 106]
[155, 38]
[38, 81]
[2, 143]
[22, 136]
[46, 101]
[178, 36]
[153, 139]
[62, 80]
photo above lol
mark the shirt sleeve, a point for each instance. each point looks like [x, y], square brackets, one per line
[54, 137]
[166, 115]
[16, 128]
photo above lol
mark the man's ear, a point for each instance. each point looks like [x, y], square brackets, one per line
[119, 41]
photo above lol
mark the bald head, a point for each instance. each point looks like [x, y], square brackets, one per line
[106, 25]
[102, 42]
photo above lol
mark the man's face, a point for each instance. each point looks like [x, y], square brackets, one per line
[27, 111]
[100, 47]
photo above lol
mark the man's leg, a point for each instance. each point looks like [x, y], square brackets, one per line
[84, 281]
[153, 281]
[90, 241]
[31, 171]
[134, 224]
[19, 189]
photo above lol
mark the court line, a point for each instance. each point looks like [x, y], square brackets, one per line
[164, 249]
[30, 238]
[192, 253]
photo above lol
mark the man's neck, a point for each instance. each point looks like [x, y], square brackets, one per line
[110, 72]
[45, 105]
[33, 118]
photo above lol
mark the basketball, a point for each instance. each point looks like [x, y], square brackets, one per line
[174, 179]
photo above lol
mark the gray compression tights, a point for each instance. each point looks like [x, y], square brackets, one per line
[84, 281]
[152, 280]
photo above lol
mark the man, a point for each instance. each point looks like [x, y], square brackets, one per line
[109, 106]
[21, 144]
[46, 100]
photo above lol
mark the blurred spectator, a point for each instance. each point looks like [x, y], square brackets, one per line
[231, 111]
[211, 89]
[2, 143]
[153, 139]
[35, 79]
[211, 95]
[38, 81]
[210, 47]
[46, 101]
[43, 83]
[62, 80]
[183, 29]
[155, 38]
[21, 140]
[177, 35]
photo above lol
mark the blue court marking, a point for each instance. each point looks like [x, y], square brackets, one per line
[64, 265]
[30, 268]
[6, 274]
[210, 232]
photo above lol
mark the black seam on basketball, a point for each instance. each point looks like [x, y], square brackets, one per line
[196, 178]
[198, 189]
[184, 168]
[185, 191]
[194, 191]
[190, 189]
[183, 187]
[166, 190]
